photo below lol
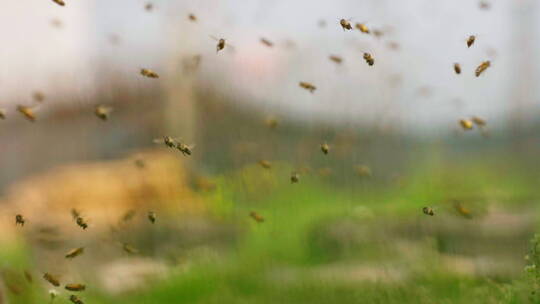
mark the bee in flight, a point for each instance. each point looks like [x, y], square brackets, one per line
[149, 6]
[27, 112]
[51, 279]
[345, 24]
[482, 67]
[265, 164]
[336, 59]
[129, 249]
[325, 148]
[221, 43]
[75, 299]
[457, 68]
[480, 122]
[74, 252]
[362, 28]
[369, 59]
[466, 124]
[428, 211]
[471, 40]
[81, 222]
[308, 86]
[192, 18]
[38, 96]
[2, 114]
[28, 276]
[267, 42]
[75, 287]
[363, 171]
[462, 210]
[152, 216]
[59, 2]
[19, 220]
[149, 73]
[167, 140]
[103, 112]
[185, 149]
[271, 122]
[257, 217]
[295, 177]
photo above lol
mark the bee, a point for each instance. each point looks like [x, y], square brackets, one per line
[19, 220]
[428, 211]
[466, 124]
[457, 68]
[128, 216]
[82, 223]
[325, 148]
[75, 213]
[336, 59]
[185, 149]
[393, 45]
[265, 164]
[470, 40]
[271, 122]
[75, 287]
[482, 67]
[152, 216]
[103, 112]
[139, 163]
[308, 86]
[322, 23]
[168, 141]
[462, 210]
[363, 171]
[51, 279]
[74, 252]
[378, 33]
[484, 5]
[129, 249]
[27, 112]
[75, 299]
[267, 42]
[149, 73]
[2, 114]
[362, 28]
[59, 2]
[192, 18]
[480, 122]
[257, 217]
[38, 96]
[149, 6]
[56, 23]
[220, 45]
[345, 24]
[28, 276]
[369, 59]
[295, 177]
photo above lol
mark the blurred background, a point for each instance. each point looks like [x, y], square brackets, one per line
[230, 223]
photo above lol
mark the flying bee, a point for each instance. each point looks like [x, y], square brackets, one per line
[265, 164]
[38, 96]
[75, 299]
[220, 45]
[74, 252]
[480, 122]
[295, 177]
[168, 141]
[82, 223]
[75, 213]
[369, 59]
[152, 216]
[271, 122]
[75, 287]
[185, 149]
[103, 112]
[308, 86]
[129, 249]
[267, 42]
[59, 2]
[470, 40]
[457, 68]
[378, 33]
[362, 28]
[345, 24]
[149, 73]
[57, 23]
[257, 217]
[149, 6]
[325, 148]
[28, 276]
[19, 220]
[466, 124]
[192, 18]
[484, 5]
[482, 67]
[27, 112]
[428, 211]
[51, 279]
[462, 210]
[336, 59]
[2, 114]
[363, 171]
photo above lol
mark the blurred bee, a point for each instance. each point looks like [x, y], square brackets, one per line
[466, 124]
[295, 177]
[484, 5]
[28, 276]
[362, 28]
[462, 210]
[220, 45]
[82, 223]
[482, 67]
[27, 112]
[75, 287]
[191, 64]
[185, 149]
[378, 33]
[393, 45]
[149, 73]
[336, 59]
[369, 59]
[75, 299]
[308, 86]
[257, 217]
[51, 279]
[271, 122]
[15, 289]
[74, 252]
[128, 216]
[325, 148]
[428, 211]
[152, 216]
[480, 122]
[129, 249]
[322, 23]
[363, 171]
[2, 114]
[103, 112]
[59, 2]
[38, 96]
[192, 18]
[149, 6]
[345, 24]
[139, 163]
[168, 141]
[55, 22]
[470, 40]
[457, 68]
[267, 42]
[19, 220]
[265, 164]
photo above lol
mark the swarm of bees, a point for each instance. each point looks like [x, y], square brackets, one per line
[257, 217]
[308, 86]
[149, 73]
[482, 67]
[369, 59]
